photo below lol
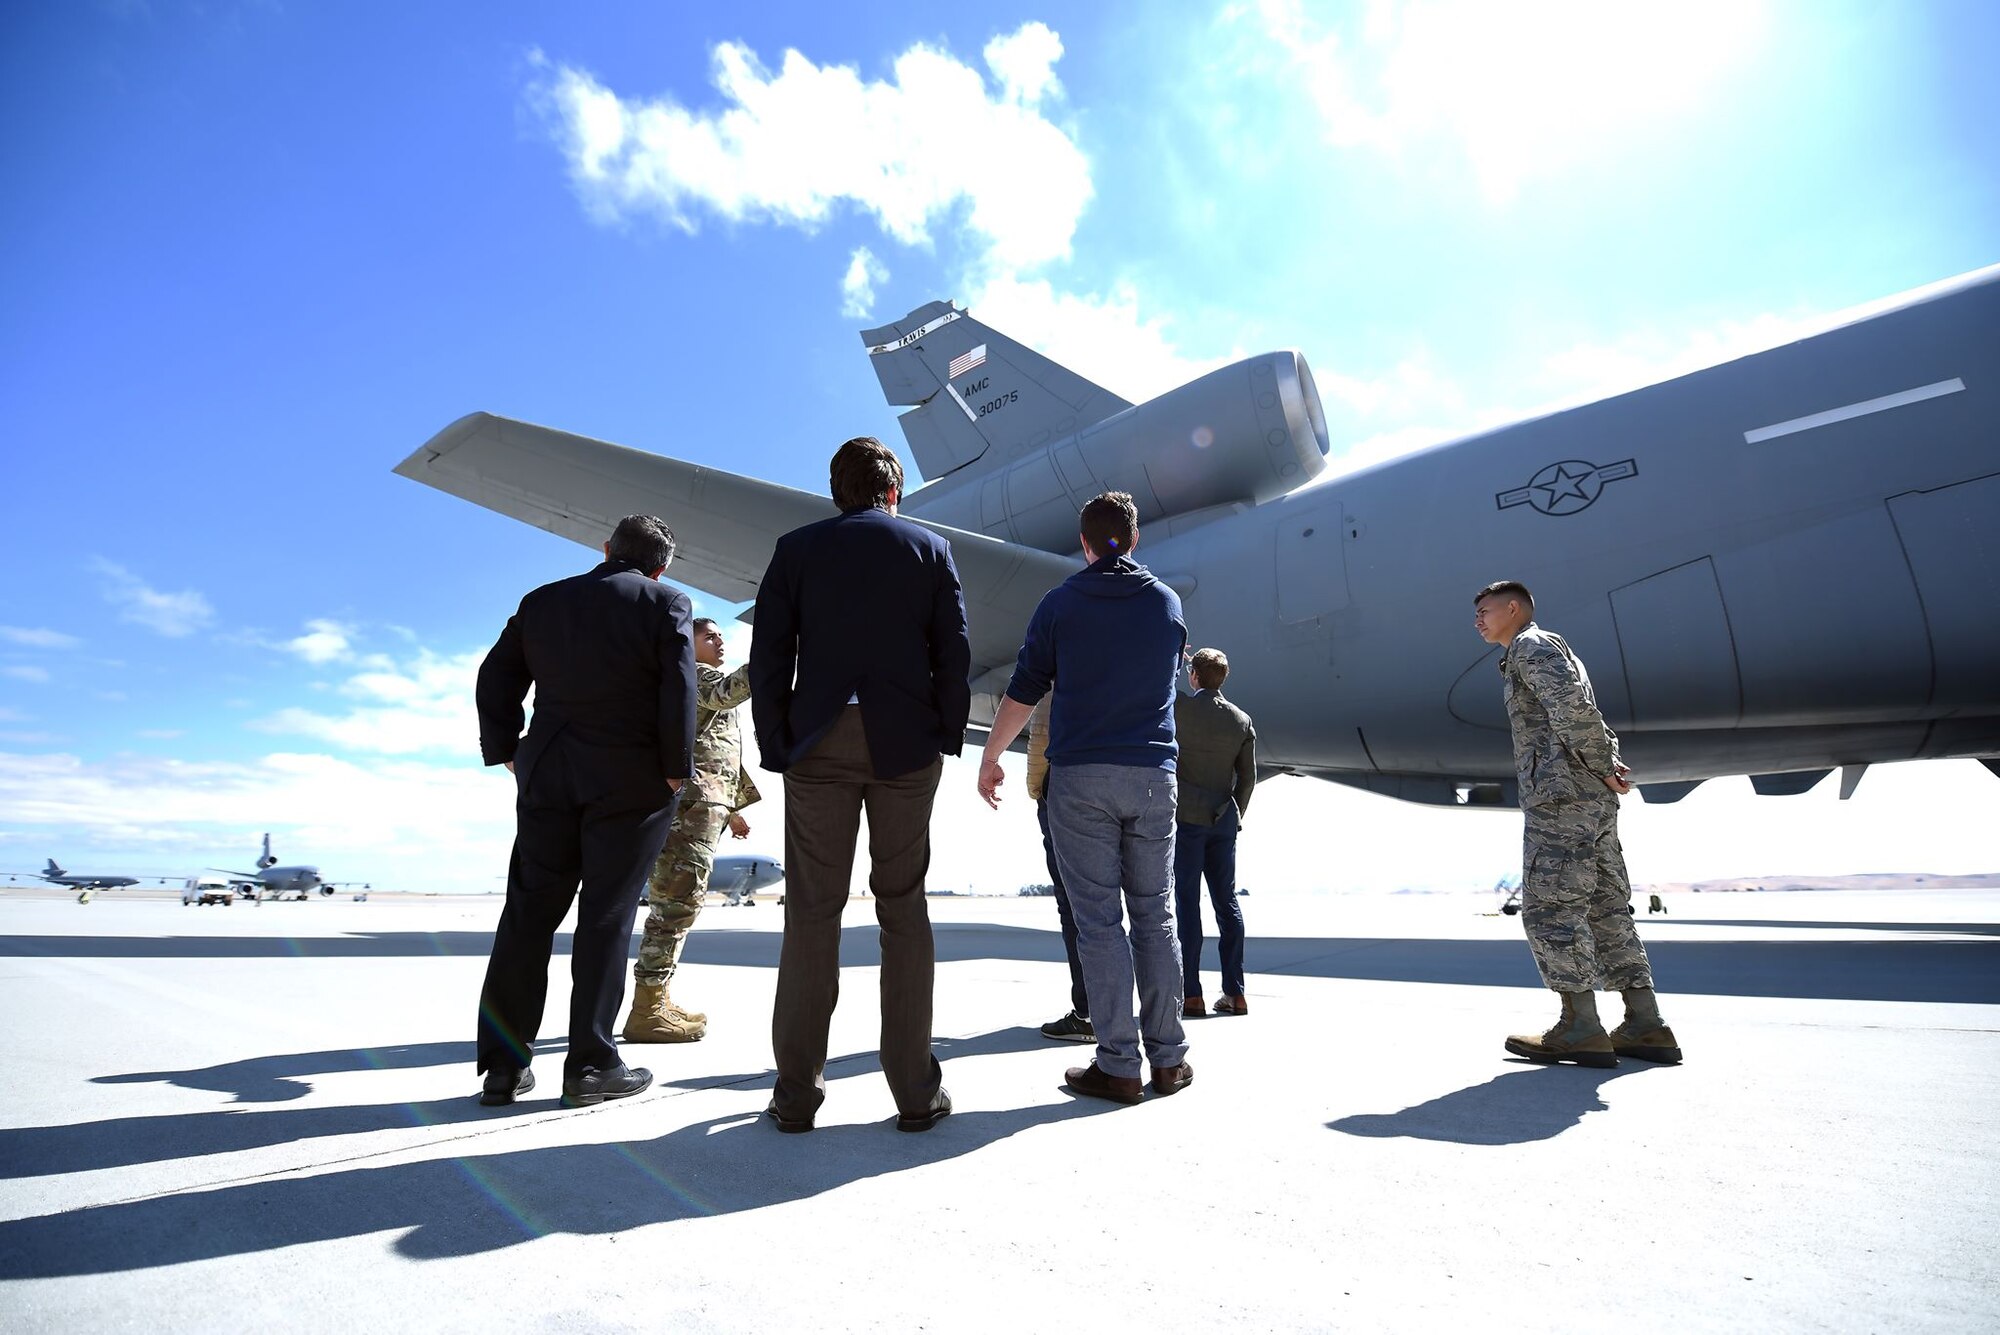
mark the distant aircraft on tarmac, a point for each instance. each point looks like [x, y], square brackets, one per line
[740, 876]
[80, 882]
[274, 882]
[1774, 567]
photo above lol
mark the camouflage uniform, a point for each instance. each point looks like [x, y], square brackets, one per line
[720, 786]
[1575, 900]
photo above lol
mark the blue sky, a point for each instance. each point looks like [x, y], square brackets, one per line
[257, 252]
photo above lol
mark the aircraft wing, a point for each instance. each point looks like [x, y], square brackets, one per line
[725, 524]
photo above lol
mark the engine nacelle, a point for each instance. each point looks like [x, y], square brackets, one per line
[1246, 433]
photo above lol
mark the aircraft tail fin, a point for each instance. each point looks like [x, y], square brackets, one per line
[267, 860]
[54, 869]
[977, 392]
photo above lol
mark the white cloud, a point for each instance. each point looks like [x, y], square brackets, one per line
[31, 738]
[1107, 338]
[38, 638]
[25, 672]
[1024, 63]
[857, 288]
[324, 642]
[422, 707]
[14, 716]
[162, 734]
[791, 146]
[1515, 92]
[175, 615]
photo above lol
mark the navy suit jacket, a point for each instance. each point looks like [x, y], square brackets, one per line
[863, 605]
[610, 654]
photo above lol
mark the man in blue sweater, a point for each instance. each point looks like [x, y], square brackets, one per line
[1109, 641]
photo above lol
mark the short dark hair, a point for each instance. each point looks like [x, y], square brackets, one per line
[1512, 587]
[643, 541]
[699, 622]
[1110, 524]
[863, 473]
[1211, 668]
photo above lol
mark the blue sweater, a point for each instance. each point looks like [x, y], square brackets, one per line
[1109, 641]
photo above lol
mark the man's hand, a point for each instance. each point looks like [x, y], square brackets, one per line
[738, 827]
[1617, 782]
[509, 764]
[991, 776]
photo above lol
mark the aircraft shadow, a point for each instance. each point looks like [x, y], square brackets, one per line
[47, 1151]
[1891, 970]
[1515, 1108]
[481, 1203]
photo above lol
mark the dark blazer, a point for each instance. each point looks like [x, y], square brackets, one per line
[868, 606]
[610, 654]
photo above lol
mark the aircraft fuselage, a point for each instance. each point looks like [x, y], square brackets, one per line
[1787, 562]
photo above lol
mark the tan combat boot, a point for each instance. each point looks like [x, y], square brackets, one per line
[1643, 1034]
[1577, 1037]
[655, 1019]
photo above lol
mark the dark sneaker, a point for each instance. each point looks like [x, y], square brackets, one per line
[1072, 1028]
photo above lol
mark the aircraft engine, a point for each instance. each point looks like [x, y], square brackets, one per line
[1247, 433]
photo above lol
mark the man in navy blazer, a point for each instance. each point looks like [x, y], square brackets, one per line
[610, 654]
[858, 685]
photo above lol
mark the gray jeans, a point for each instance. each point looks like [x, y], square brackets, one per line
[1113, 830]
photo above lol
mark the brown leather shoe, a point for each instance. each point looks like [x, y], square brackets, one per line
[1118, 1088]
[1194, 1008]
[1232, 1006]
[1172, 1079]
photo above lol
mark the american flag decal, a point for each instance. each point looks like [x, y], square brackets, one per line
[966, 362]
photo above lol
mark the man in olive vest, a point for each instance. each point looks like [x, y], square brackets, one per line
[712, 799]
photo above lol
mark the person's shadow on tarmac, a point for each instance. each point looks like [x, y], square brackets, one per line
[480, 1203]
[1532, 1103]
[466, 1205]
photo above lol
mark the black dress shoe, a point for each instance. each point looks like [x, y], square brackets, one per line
[793, 1126]
[504, 1084]
[939, 1110]
[595, 1086]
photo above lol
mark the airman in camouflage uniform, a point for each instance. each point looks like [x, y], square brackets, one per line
[1575, 898]
[711, 800]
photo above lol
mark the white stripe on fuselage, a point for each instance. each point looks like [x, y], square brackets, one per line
[1852, 410]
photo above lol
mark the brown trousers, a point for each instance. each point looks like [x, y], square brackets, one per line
[825, 793]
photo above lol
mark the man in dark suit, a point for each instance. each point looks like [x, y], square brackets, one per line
[858, 684]
[610, 655]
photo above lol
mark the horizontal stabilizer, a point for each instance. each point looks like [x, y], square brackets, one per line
[725, 524]
[1787, 785]
[976, 390]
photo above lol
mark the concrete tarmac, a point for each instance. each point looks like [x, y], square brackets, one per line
[260, 1118]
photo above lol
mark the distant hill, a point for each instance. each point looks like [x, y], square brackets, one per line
[1895, 880]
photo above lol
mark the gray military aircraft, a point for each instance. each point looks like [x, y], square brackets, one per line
[82, 883]
[739, 876]
[270, 881]
[1776, 566]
